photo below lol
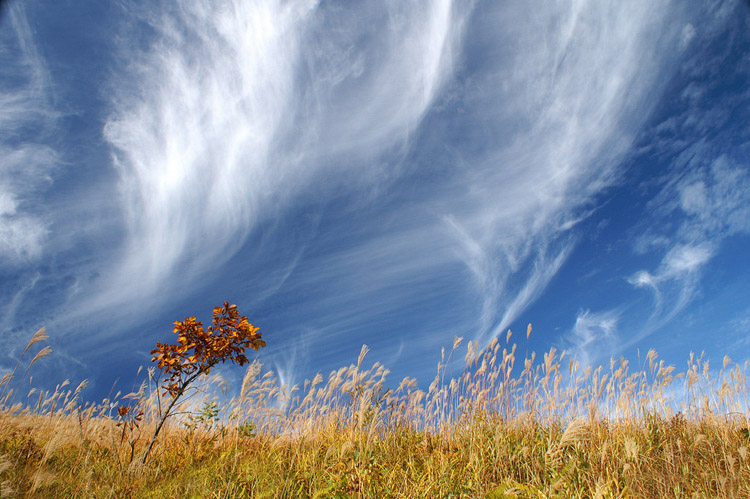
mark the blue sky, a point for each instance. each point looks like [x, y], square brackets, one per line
[386, 173]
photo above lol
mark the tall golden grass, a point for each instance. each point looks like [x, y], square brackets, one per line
[544, 428]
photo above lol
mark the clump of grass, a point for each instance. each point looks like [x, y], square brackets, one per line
[547, 428]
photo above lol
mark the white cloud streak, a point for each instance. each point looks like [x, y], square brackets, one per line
[234, 112]
[713, 202]
[593, 336]
[26, 114]
[704, 195]
[562, 93]
[236, 109]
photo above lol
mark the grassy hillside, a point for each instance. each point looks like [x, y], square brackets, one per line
[541, 429]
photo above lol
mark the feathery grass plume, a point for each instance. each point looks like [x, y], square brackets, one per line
[42, 353]
[40, 335]
[575, 432]
[6, 490]
[5, 464]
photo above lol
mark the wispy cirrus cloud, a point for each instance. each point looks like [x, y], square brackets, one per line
[27, 115]
[561, 96]
[702, 193]
[593, 336]
[456, 134]
[707, 188]
[234, 111]
[713, 203]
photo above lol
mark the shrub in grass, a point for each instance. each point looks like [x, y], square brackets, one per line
[198, 350]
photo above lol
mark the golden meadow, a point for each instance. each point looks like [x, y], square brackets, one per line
[510, 424]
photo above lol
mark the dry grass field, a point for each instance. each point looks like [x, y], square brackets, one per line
[505, 426]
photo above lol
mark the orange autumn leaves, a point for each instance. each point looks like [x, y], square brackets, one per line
[198, 349]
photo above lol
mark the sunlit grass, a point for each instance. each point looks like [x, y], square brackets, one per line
[505, 426]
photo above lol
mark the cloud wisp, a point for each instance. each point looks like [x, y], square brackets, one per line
[538, 136]
[702, 198]
[594, 336]
[234, 111]
[713, 202]
[560, 97]
[27, 115]
[232, 114]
